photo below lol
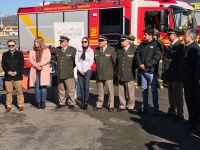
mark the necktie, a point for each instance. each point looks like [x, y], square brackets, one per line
[63, 50]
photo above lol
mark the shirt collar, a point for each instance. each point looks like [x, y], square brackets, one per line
[126, 48]
[189, 43]
[104, 48]
[174, 41]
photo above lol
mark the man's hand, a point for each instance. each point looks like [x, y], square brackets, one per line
[142, 66]
[82, 73]
[11, 73]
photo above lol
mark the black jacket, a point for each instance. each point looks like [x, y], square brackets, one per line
[190, 63]
[149, 54]
[13, 62]
[172, 62]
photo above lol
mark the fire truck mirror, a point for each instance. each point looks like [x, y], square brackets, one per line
[164, 25]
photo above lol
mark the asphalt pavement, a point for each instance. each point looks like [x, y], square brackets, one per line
[65, 129]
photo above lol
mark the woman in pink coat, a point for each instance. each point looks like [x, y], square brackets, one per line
[40, 57]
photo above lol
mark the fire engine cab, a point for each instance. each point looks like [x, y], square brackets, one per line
[108, 17]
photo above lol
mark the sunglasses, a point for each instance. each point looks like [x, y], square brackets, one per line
[84, 41]
[11, 45]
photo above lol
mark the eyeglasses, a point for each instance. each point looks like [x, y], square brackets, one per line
[11, 45]
[84, 41]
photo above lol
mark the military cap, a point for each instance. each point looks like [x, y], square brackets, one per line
[132, 37]
[62, 38]
[172, 32]
[103, 38]
[125, 37]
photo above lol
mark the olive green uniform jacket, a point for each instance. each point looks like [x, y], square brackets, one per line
[65, 62]
[126, 64]
[105, 62]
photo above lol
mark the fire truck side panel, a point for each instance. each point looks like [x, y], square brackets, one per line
[46, 26]
[93, 26]
[78, 16]
[27, 31]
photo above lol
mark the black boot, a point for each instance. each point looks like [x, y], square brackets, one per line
[85, 106]
[43, 104]
[82, 105]
[39, 105]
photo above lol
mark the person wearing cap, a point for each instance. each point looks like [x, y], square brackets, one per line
[158, 68]
[173, 58]
[126, 74]
[147, 56]
[190, 78]
[65, 56]
[132, 40]
[105, 59]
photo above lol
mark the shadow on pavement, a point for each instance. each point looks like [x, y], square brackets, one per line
[176, 133]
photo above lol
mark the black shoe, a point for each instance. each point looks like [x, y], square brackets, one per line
[110, 109]
[144, 111]
[43, 105]
[85, 106]
[59, 106]
[82, 105]
[97, 108]
[120, 110]
[156, 112]
[71, 107]
[130, 110]
[169, 115]
[39, 105]
[179, 118]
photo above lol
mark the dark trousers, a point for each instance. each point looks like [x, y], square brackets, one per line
[175, 95]
[84, 82]
[40, 91]
[191, 99]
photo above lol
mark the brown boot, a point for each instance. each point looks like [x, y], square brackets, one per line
[21, 108]
[8, 109]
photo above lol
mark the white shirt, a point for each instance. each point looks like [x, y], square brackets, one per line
[104, 48]
[175, 41]
[126, 48]
[84, 65]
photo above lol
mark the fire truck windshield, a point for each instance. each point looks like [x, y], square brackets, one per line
[185, 20]
[197, 15]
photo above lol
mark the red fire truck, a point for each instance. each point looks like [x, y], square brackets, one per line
[108, 17]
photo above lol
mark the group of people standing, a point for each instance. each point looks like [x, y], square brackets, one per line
[181, 71]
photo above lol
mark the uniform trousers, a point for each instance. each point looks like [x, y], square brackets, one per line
[126, 87]
[66, 90]
[108, 84]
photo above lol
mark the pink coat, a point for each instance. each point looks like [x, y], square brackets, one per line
[45, 72]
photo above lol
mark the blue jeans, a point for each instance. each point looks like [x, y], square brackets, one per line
[84, 82]
[40, 91]
[146, 80]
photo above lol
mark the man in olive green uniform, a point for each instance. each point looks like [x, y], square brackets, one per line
[65, 56]
[126, 74]
[105, 59]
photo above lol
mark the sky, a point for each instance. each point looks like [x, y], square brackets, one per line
[10, 7]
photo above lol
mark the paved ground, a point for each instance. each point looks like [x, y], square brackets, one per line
[65, 129]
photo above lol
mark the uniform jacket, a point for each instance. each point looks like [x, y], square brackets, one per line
[149, 54]
[45, 72]
[105, 63]
[126, 64]
[172, 62]
[65, 62]
[190, 62]
[13, 62]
